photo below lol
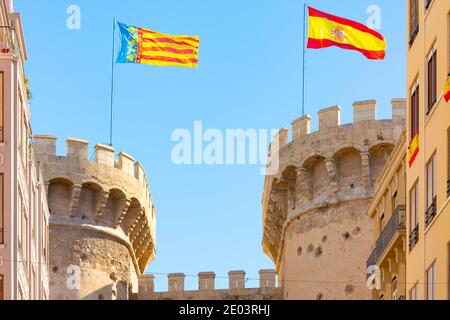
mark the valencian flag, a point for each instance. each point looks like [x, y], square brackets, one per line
[326, 30]
[143, 46]
[447, 89]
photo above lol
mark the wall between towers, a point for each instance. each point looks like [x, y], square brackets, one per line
[268, 289]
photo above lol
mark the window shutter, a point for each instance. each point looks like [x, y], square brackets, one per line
[411, 17]
[430, 85]
[1, 287]
[448, 153]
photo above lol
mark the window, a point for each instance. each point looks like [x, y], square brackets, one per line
[413, 20]
[413, 293]
[430, 196]
[448, 37]
[2, 217]
[413, 216]
[448, 162]
[415, 112]
[1, 287]
[431, 282]
[431, 80]
[2, 106]
[448, 271]
[394, 288]
[394, 201]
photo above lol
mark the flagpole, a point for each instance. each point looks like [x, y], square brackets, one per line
[304, 56]
[112, 82]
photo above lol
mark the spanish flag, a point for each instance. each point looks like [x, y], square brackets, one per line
[143, 46]
[413, 150]
[326, 30]
[447, 89]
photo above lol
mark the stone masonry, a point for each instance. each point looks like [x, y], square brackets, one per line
[102, 221]
[316, 229]
[206, 287]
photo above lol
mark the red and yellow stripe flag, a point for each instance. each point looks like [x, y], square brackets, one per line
[326, 30]
[413, 150]
[144, 46]
[447, 89]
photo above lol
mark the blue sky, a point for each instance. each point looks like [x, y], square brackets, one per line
[249, 76]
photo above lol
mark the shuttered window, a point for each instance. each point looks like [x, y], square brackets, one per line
[2, 106]
[413, 20]
[413, 210]
[415, 112]
[431, 80]
[431, 282]
[448, 162]
[2, 209]
[1, 287]
[413, 293]
[431, 181]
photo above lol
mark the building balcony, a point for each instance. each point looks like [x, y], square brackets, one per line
[8, 40]
[9, 45]
[430, 214]
[389, 233]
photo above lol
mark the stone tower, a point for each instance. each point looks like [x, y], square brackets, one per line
[316, 229]
[102, 221]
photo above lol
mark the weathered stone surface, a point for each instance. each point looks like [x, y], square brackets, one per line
[206, 288]
[314, 208]
[104, 262]
[102, 220]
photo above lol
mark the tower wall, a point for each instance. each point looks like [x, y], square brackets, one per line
[102, 221]
[314, 207]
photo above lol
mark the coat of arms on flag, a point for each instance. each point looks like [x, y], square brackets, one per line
[144, 46]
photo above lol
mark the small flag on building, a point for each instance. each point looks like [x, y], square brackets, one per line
[413, 150]
[326, 30]
[447, 89]
[143, 46]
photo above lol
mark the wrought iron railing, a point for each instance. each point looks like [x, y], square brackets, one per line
[430, 213]
[395, 223]
[413, 237]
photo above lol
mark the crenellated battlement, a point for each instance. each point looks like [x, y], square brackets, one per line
[104, 204]
[364, 112]
[77, 149]
[206, 287]
[322, 178]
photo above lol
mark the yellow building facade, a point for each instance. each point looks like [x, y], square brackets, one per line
[428, 149]
[388, 212]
